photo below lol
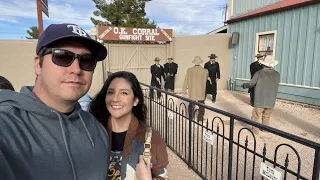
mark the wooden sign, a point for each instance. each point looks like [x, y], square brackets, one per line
[133, 34]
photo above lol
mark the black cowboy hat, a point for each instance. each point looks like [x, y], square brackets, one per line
[213, 56]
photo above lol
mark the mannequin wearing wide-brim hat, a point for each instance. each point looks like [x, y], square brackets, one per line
[214, 74]
[266, 83]
[195, 82]
[170, 70]
[254, 67]
[157, 71]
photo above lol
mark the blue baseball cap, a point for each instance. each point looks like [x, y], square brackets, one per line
[57, 32]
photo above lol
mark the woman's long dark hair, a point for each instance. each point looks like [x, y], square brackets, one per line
[97, 106]
[5, 84]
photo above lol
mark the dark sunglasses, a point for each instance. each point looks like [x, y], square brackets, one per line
[65, 58]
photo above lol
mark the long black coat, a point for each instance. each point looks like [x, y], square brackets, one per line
[170, 70]
[214, 73]
[156, 73]
[254, 67]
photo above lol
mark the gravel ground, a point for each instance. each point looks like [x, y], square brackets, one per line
[294, 118]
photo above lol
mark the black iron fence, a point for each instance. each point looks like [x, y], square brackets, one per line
[224, 147]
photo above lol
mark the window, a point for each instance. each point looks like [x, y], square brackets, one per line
[266, 43]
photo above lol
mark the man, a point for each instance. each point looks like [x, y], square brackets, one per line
[44, 133]
[156, 72]
[195, 82]
[170, 70]
[266, 84]
[214, 74]
[254, 67]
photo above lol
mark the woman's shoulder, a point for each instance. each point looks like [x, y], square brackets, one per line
[156, 136]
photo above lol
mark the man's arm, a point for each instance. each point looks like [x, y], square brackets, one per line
[166, 68]
[218, 70]
[252, 71]
[176, 69]
[185, 83]
[252, 82]
[206, 65]
[162, 72]
[153, 73]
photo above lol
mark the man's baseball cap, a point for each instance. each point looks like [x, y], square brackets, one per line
[57, 32]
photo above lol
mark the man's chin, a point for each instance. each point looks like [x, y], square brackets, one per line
[73, 96]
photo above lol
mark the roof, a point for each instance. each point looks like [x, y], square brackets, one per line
[274, 8]
[218, 30]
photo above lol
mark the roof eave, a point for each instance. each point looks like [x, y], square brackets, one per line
[294, 6]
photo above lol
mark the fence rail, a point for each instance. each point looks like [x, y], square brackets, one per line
[230, 149]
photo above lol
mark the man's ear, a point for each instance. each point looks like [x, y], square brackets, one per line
[37, 67]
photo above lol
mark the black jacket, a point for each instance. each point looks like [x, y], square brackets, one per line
[255, 67]
[213, 69]
[156, 73]
[170, 68]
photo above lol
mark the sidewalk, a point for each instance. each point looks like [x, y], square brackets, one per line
[178, 170]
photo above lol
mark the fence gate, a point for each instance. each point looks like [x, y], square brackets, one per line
[135, 58]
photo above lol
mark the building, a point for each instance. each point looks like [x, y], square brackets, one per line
[289, 31]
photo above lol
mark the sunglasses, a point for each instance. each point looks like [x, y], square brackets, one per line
[65, 58]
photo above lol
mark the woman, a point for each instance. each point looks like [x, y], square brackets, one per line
[5, 84]
[120, 108]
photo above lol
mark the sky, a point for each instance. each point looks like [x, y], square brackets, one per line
[185, 17]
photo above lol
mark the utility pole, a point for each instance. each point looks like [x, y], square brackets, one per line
[225, 14]
[39, 12]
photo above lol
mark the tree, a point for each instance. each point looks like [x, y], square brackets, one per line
[34, 33]
[127, 13]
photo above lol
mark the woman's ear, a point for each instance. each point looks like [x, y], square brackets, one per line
[136, 101]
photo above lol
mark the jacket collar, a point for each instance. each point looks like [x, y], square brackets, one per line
[136, 131]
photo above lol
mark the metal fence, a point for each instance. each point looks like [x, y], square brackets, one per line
[224, 147]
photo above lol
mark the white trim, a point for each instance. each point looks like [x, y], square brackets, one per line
[283, 84]
[274, 41]
[218, 30]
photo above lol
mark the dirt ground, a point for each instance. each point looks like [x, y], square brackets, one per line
[298, 119]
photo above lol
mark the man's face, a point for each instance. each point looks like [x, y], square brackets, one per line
[169, 60]
[212, 59]
[260, 58]
[157, 62]
[59, 83]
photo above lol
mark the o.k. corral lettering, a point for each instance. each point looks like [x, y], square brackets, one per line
[134, 34]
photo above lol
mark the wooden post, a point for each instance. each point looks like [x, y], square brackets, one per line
[39, 12]
[225, 14]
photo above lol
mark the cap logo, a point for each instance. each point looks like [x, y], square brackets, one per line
[78, 30]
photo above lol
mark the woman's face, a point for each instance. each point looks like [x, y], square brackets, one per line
[120, 98]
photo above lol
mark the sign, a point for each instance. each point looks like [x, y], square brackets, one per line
[170, 114]
[44, 7]
[269, 172]
[208, 137]
[133, 34]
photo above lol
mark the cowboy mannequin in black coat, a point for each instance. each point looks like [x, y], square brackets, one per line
[255, 67]
[170, 71]
[214, 74]
[156, 72]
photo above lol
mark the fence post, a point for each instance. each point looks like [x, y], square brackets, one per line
[150, 107]
[316, 165]
[166, 117]
[190, 113]
[230, 148]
